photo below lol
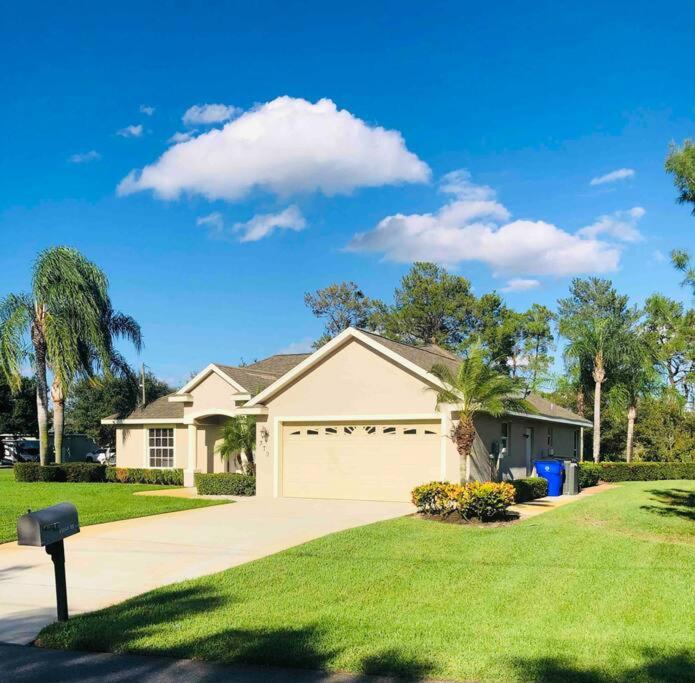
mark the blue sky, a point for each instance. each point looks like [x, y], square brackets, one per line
[531, 100]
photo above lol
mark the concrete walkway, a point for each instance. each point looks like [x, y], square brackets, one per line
[32, 664]
[108, 563]
[541, 505]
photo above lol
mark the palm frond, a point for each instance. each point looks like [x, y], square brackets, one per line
[16, 313]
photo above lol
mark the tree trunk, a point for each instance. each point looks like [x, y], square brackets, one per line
[599, 375]
[631, 415]
[580, 401]
[58, 397]
[39, 345]
[464, 436]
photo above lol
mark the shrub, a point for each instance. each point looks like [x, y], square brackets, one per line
[69, 471]
[225, 484]
[588, 474]
[475, 500]
[27, 471]
[645, 471]
[142, 475]
[529, 488]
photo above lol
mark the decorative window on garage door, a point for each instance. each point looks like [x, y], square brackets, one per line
[350, 431]
[160, 447]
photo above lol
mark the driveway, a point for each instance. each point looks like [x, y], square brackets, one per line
[108, 563]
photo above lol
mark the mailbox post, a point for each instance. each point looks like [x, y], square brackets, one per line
[48, 528]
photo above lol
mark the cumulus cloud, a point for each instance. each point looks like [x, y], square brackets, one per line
[183, 136]
[620, 225]
[146, 109]
[84, 157]
[477, 228]
[285, 146]
[520, 284]
[262, 225]
[207, 114]
[613, 176]
[133, 131]
[305, 345]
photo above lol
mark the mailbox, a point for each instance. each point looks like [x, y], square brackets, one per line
[47, 526]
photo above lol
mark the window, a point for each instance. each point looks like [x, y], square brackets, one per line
[161, 447]
[505, 432]
[429, 431]
[550, 437]
[575, 445]
[331, 430]
[312, 432]
[389, 430]
[413, 430]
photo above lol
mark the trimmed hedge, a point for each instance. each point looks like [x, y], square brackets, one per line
[529, 488]
[225, 484]
[485, 500]
[638, 471]
[85, 472]
[588, 474]
[142, 475]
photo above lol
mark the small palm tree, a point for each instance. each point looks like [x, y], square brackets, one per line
[474, 388]
[239, 439]
[71, 326]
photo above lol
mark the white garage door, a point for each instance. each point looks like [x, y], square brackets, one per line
[359, 461]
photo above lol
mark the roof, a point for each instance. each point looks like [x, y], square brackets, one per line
[550, 409]
[160, 408]
[278, 364]
[257, 376]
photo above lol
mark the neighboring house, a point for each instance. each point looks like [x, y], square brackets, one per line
[356, 419]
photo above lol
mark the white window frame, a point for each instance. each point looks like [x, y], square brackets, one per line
[150, 428]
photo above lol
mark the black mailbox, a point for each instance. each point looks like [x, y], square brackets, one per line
[50, 525]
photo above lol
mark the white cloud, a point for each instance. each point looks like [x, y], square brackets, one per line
[133, 131]
[520, 284]
[146, 109]
[206, 114]
[459, 184]
[613, 176]
[184, 136]
[262, 225]
[302, 346]
[214, 223]
[477, 229]
[620, 225]
[659, 256]
[84, 157]
[285, 146]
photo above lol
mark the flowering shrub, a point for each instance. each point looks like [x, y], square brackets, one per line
[475, 500]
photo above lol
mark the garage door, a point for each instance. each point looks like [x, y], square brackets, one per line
[359, 461]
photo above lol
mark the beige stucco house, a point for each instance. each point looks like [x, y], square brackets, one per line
[357, 419]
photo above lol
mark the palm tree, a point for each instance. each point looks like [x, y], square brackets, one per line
[474, 388]
[71, 326]
[239, 439]
[596, 342]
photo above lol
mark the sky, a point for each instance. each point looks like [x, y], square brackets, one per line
[218, 160]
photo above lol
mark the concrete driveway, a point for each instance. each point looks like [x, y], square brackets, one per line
[108, 563]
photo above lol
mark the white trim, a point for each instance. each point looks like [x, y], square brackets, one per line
[181, 398]
[443, 436]
[146, 440]
[336, 342]
[241, 397]
[204, 373]
[209, 412]
[144, 421]
[402, 417]
[546, 418]
[254, 410]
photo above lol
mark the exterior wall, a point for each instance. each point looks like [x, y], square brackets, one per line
[131, 442]
[211, 394]
[354, 380]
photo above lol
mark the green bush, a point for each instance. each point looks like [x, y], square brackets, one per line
[588, 474]
[225, 484]
[475, 500]
[142, 475]
[86, 472]
[529, 488]
[646, 471]
[27, 471]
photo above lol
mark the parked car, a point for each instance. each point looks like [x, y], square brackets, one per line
[104, 456]
[20, 450]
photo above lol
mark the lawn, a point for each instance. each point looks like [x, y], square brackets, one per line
[96, 503]
[598, 591]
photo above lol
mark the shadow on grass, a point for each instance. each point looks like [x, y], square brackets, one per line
[672, 503]
[656, 668]
[159, 624]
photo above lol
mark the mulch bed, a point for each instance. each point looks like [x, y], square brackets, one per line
[508, 518]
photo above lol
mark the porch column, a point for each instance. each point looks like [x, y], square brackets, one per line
[581, 444]
[188, 479]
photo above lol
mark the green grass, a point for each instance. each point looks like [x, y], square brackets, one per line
[597, 591]
[96, 503]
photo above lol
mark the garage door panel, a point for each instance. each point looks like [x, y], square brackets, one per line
[369, 461]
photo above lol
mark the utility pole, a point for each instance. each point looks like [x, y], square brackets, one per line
[142, 384]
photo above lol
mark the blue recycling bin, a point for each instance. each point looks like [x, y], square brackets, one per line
[552, 471]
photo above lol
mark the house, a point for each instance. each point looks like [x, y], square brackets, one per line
[356, 419]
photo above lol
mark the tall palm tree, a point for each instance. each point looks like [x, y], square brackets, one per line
[596, 342]
[474, 387]
[71, 326]
[239, 438]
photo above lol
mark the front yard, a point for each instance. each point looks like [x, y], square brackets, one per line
[598, 591]
[96, 503]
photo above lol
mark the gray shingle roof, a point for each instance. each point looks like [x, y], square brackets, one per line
[278, 364]
[160, 408]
